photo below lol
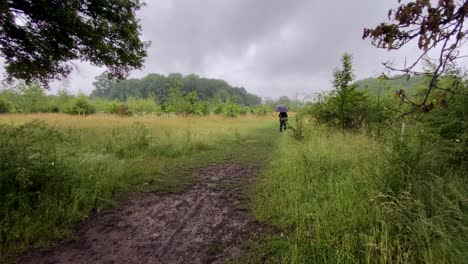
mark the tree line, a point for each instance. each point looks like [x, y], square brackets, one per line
[159, 86]
[24, 98]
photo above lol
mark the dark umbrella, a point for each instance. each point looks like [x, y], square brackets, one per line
[281, 108]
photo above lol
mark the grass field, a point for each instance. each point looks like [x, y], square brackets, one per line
[346, 198]
[331, 197]
[57, 168]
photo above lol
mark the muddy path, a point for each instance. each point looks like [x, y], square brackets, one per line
[205, 223]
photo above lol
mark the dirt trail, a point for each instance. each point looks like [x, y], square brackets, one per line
[203, 224]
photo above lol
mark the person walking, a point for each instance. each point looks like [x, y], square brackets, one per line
[283, 118]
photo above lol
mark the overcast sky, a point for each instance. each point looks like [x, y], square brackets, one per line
[270, 47]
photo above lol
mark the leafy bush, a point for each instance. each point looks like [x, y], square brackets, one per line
[345, 106]
[298, 132]
[218, 108]
[232, 108]
[46, 184]
[123, 110]
[262, 110]
[29, 158]
[31, 171]
[82, 106]
[4, 106]
[142, 106]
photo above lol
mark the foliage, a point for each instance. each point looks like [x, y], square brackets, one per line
[105, 106]
[397, 82]
[4, 107]
[142, 106]
[346, 106]
[27, 99]
[102, 85]
[299, 131]
[32, 99]
[262, 109]
[436, 26]
[159, 86]
[175, 102]
[123, 110]
[64, 101]
[422, 21]
[106, 33]
[29, 159]
[232, 108]
[82, 106]
[194, 105]
[344, 198]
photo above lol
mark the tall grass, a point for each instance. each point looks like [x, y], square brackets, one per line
[55, 169]
[344, 198]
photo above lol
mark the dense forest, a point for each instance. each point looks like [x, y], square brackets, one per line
[158, 86]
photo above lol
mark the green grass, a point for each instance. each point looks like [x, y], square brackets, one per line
[331, 201]
[55, 172]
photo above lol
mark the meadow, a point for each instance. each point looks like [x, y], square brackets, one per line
[329, 196]
[351, 198]
[57, 169]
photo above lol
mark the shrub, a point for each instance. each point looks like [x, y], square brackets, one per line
[142, 106]
[262, 110]
[231, 108]
[82, 106]
[123, 110]
[4, 107]
[298, 132]
[47, 184]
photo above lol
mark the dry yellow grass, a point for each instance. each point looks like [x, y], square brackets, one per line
[167, 128]
[152, 121]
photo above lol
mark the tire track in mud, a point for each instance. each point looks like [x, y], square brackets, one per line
[203, 224]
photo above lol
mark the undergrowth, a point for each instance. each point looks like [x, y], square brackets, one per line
[346, 198]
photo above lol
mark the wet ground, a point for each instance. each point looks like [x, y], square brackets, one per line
[206, 223]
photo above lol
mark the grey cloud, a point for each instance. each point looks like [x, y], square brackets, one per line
[271, 47]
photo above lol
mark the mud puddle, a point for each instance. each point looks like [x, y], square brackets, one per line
[203, 224]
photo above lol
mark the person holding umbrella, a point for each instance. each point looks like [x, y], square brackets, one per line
[283, 116]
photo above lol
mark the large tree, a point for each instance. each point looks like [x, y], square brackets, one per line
[39, 37]
[436, 26]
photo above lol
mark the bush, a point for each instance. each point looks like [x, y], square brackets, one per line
[231, 108]
[46, 185]
[30, 159]
[142, 106]
[82, 106]
[123, 110]
[298, 132]
[4, 107]
[262, 110]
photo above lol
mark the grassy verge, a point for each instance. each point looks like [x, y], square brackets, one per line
[54, 172]
[339, 198]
